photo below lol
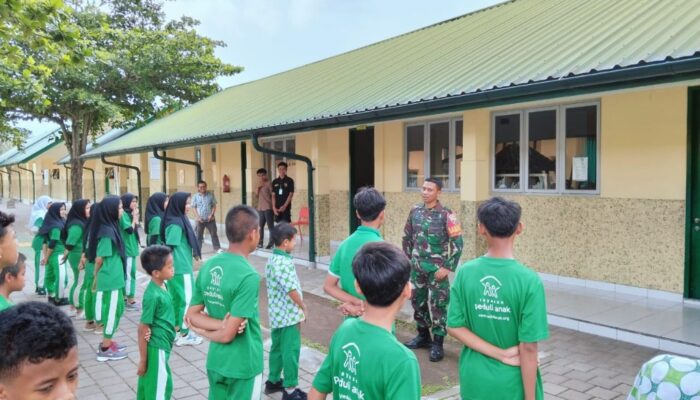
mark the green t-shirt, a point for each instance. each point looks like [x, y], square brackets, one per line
[341, 266]
[111, 274]
[75, 238]
[38, 241]
[131, 245]
[4, 303]
[159, 315]
[366, 361]
[55, 234]
[228, 283]
[154, 230]
[502, 302]
[176, 238]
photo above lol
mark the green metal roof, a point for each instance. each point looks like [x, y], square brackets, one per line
[517, 47]
[101, 140]
[33, 149]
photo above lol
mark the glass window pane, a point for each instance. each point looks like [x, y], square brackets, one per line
[507, 151]
[542, 150]
[459, 136]
[414, 156]
[440, 152]
[291, 146]
[581, 148]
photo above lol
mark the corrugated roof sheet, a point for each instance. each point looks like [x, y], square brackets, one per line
[508, 45]
[33, 149]
[101, 140]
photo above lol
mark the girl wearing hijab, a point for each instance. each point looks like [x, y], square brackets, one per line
[128, 223]
[86, 293]
[35, 221]
[155, 208]
[106, 247]
[73, 239]
[178, 234]
[56, 275]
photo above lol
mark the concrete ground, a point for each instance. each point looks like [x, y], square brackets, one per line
[574, 365]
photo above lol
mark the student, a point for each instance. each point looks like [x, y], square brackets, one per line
[106, 247]
[39, 353]
[72, 236]
[365, 361]
[227, 285]
[36, 219]
[11, 280]
[180, 237]
[155, 208]
[87, 294]
[340, 281]
[128, 223]
[157, 328]
[286, 311]
[56, 274]
[8, 242]
[500, 301]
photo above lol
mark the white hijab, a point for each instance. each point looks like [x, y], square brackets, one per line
[39, 209]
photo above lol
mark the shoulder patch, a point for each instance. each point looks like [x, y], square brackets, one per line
[454, 228]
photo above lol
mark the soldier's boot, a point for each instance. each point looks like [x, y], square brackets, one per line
[436, 351]
[421, 341]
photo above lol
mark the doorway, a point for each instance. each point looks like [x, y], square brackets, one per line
[361, 165]
[692, 248]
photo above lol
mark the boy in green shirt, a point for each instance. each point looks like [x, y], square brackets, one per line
[498, 303]
[365, 361]
[157, 328]
[286, 311]
[340, 281]
[11, 280]
[227, 285]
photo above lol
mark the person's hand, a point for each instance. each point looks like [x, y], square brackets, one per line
[282, 209]
[441, 273]
[141, 371]
[275, 211]
[147, 335]
[350, 309]
[83, 260]
[43, 261]
[305, 311]
[511, 356]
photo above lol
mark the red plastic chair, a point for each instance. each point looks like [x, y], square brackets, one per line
[303, 220]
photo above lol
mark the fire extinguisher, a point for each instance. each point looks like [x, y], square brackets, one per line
[226, 184]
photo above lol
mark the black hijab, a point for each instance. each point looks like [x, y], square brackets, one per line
[104, 222]
[76, 216]
[52, 220]
[88, 226]
[175, 215]
[155, 207]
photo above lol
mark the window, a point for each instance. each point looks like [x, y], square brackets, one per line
[198, 154]
[213, 153]
[434, 149]
[270, 161]
[561, 154]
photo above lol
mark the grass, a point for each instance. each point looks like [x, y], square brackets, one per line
[313, 345]
[433, 388]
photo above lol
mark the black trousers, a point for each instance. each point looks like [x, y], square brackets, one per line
[285, 216]
[266, 217]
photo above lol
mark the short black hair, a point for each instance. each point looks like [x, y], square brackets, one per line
[436, 181]
[499, 216]
[5, 221]
[240, 221]
[153, 258]
[282, 164]
[200, 182]
[369, 203]
[281, 232]
[33, 332]
[13, 270]
[382, 271]
[261, 171]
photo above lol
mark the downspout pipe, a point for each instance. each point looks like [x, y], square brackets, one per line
[310, 179]
[138, 180]
[94, 184]
[33, 182]
[19, 181]
[195, 164]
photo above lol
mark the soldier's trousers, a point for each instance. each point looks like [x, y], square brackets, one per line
[430, 297]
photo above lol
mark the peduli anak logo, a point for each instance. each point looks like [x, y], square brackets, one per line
[491, 286]
[216, 274]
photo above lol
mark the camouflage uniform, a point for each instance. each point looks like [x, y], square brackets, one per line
[432, 239]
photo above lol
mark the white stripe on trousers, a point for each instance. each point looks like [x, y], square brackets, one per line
[42, 275]
[61, 280]
[162, 376]
[187, 279]
[78, 285]
[98, 306]
[257, 388]
[129, 262]
[112, 313]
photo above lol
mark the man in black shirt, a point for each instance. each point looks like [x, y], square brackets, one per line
[282, 193]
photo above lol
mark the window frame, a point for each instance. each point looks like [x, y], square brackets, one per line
[560, 150]
[450, 185]
[272, 167]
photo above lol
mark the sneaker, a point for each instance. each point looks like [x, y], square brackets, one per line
[273, 387]
[70, 312]
[191, 339]
[80, 315]
[297, 394]
[62, 302]
[117, 346]
[99, 328]
[269, 246]
[132, 306]
[89, 326]
[219, 251]
[41, 292]
[111, 354]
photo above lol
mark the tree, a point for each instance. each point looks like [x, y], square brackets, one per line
[134, 65]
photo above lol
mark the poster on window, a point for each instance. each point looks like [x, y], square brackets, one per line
[154, 168]
[580, 169]
[45, 177]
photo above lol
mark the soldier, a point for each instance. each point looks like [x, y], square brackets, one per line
[433, 242]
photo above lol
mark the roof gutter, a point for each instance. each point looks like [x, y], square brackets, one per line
[33, 182]
[310, 179]
[138, 177]
[197, 166]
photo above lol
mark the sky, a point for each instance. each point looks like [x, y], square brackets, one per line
[266, 37]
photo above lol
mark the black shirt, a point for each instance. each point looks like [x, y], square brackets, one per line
[281, 188]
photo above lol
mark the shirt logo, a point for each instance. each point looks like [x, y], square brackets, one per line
[351, 361]
[491, 286]
[216, 274]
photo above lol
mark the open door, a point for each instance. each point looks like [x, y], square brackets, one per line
[692, 270]
[361, 165]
